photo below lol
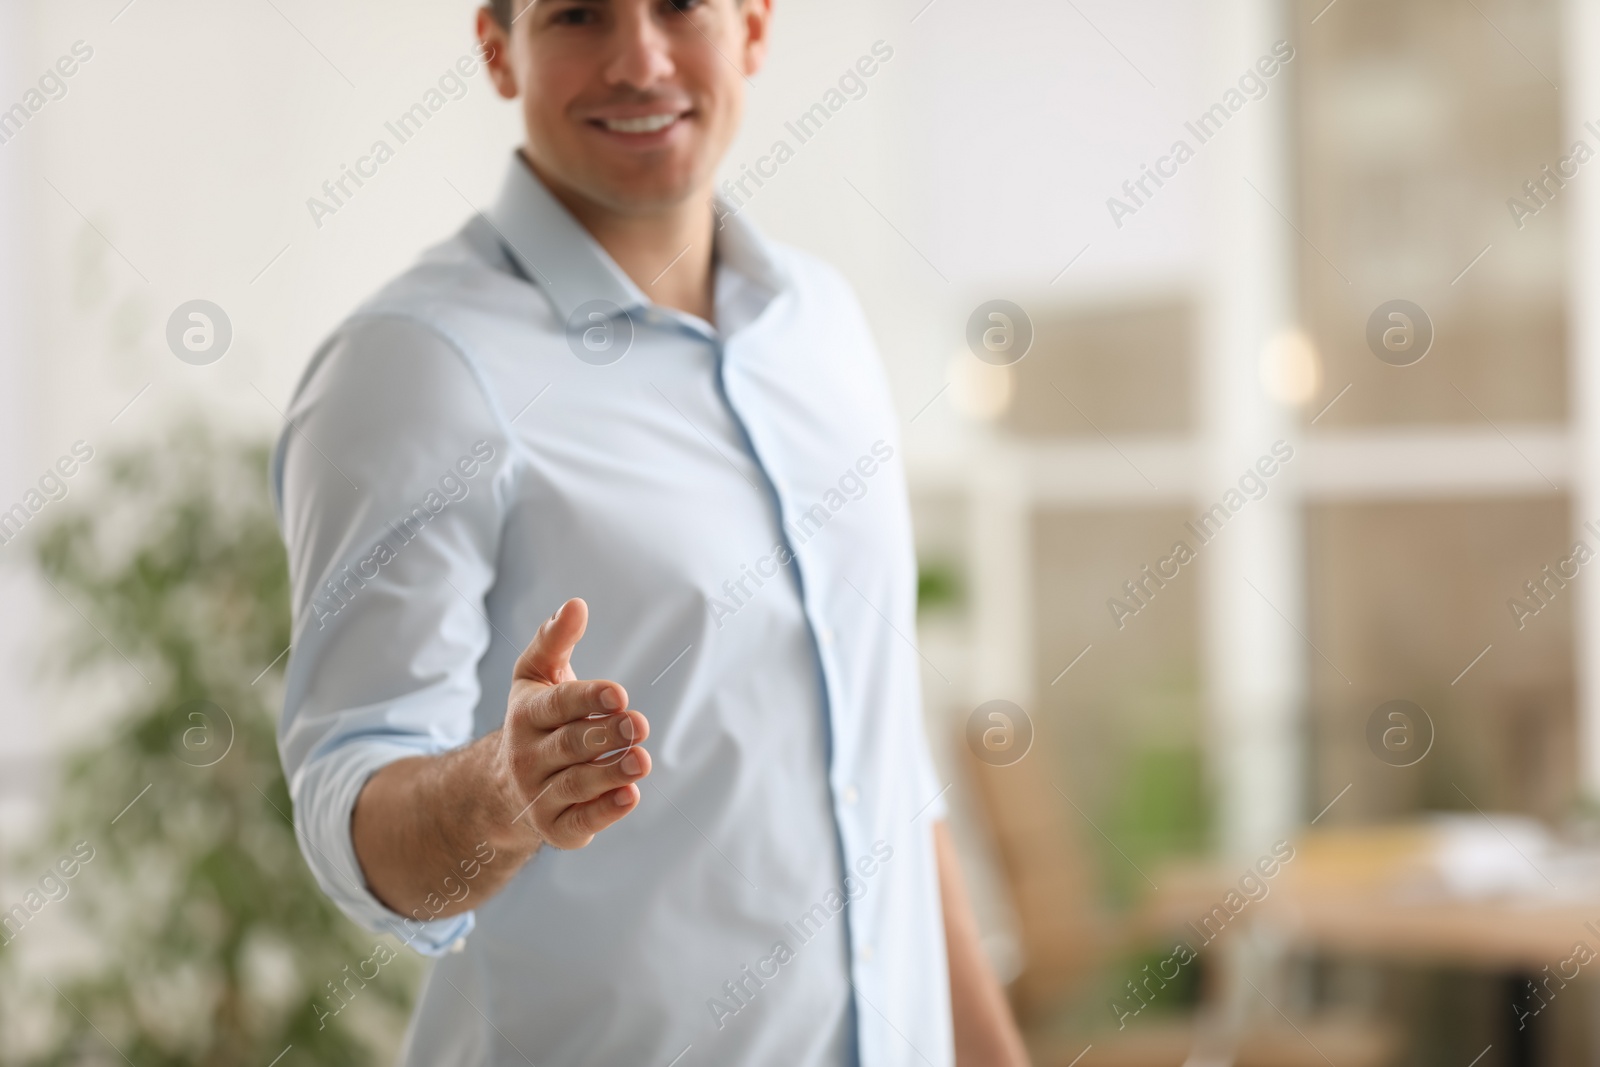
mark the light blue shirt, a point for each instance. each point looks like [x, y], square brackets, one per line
[731, 503]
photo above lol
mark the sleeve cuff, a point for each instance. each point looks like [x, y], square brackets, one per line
[324, 798]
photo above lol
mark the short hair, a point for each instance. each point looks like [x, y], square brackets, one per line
[501, 10]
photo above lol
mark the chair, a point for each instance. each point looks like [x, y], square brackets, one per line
[1067, 936]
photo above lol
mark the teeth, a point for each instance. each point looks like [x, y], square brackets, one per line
[646, 124]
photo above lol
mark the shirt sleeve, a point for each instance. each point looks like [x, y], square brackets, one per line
[390, 478]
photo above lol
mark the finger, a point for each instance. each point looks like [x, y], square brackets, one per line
[576, 826]
[588, 739]
[584, 782]
[548, 656]
[636, 725]
[549, 707]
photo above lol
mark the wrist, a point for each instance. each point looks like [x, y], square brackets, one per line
[504, 818]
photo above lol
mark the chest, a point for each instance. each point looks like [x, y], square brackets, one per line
[690, 469]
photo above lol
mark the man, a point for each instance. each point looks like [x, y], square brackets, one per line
[601, 387]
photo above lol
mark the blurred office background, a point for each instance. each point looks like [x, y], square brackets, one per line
[1446, 862]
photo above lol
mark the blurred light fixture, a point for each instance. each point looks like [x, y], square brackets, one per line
[1291, 370]
[979, 390]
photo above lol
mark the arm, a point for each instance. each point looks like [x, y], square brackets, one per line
[985, 1032]
[534, 780]
[393, 478]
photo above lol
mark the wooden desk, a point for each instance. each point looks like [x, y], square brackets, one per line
[1376, 894]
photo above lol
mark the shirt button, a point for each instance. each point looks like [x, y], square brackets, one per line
[866, 953]
[826, 634]
[850, 795]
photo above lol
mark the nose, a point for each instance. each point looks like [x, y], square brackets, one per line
[642, 56]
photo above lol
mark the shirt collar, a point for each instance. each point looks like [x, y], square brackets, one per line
[548, 243]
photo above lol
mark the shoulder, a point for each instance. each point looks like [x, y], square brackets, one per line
[824, 303]
[812, 276]
[458, 281]
[402, 373]
[431, 321]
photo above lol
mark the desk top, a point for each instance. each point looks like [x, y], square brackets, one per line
[1496, 897]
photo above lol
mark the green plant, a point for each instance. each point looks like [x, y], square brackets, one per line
[938, 587]
[196, 934]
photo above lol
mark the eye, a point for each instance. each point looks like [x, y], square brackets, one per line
[581, 15]
[685, 6]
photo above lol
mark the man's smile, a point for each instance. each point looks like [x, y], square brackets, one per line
[641, 124]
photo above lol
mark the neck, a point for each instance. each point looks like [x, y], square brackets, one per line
[667, 253]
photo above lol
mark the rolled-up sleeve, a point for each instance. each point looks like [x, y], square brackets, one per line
[390, 480]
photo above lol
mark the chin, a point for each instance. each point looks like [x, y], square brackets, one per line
[647, 192]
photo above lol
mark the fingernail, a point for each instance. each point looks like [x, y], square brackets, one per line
[611, 700]
[623, 797]
[626, 728]
[632, 764]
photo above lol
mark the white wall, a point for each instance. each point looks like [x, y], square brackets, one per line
[20, 732]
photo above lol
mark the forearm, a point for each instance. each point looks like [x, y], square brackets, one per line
[435, 835]
[985, 1033]
[563, 767]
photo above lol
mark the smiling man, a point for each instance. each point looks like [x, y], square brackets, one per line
[608, 387]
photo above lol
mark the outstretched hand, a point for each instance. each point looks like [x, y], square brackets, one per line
[569, 756]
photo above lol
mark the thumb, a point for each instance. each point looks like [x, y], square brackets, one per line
[547, 657]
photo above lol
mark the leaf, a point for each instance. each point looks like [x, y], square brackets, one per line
[175, 563]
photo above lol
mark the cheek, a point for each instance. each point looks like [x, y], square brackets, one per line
[552, 82]
[706, 67]
[722, 108]
[545, 103]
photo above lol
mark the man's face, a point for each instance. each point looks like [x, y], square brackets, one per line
[630, 104]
